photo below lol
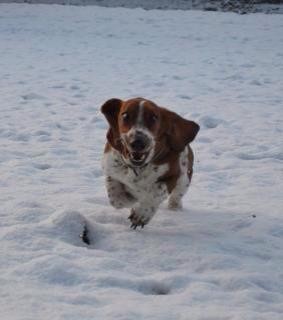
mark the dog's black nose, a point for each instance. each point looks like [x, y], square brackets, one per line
[138, 145]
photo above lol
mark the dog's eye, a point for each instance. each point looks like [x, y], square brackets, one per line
[154, 118]
[125, 116]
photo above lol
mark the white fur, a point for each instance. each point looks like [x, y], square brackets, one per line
[182, 185]
[140, 121]
[137, 188]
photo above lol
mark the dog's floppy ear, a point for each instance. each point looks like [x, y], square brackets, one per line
[111, 109]
[179, 131]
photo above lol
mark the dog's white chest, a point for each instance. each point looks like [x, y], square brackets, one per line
[138, 179]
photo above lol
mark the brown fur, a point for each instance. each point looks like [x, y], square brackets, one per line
[172, 134]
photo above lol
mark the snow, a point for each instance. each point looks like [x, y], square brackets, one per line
[221, 257]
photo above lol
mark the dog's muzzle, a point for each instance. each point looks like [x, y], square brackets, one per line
[139, 146]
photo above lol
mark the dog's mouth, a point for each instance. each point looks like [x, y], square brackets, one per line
[138, 159]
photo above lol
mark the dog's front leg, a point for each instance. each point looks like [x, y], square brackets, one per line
[117, 194]
[147, 205]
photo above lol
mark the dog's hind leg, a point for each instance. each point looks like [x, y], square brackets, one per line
[183, 182]
[175, 198]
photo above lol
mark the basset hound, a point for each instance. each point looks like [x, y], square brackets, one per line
[147, 157]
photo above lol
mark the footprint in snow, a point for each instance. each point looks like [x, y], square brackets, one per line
[74, 87]
[177, 77]
[275, 155]
[210, 122]
[144, 286]
[247, 65]
[33, 96]
[42, 136]
[23, 137]
[58, 86]
[152, 287]
[42, 166]
[241, 224]
[42, 133]
[184, 97]
[78, 95]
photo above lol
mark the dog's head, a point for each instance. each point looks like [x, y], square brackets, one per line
[140, 130]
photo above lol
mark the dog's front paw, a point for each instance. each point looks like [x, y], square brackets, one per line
[137, 219]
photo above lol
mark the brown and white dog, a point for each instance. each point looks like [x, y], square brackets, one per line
[147, 157]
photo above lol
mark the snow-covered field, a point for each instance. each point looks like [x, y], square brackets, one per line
[219, 259]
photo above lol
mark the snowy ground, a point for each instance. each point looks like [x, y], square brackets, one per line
[219, 259]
